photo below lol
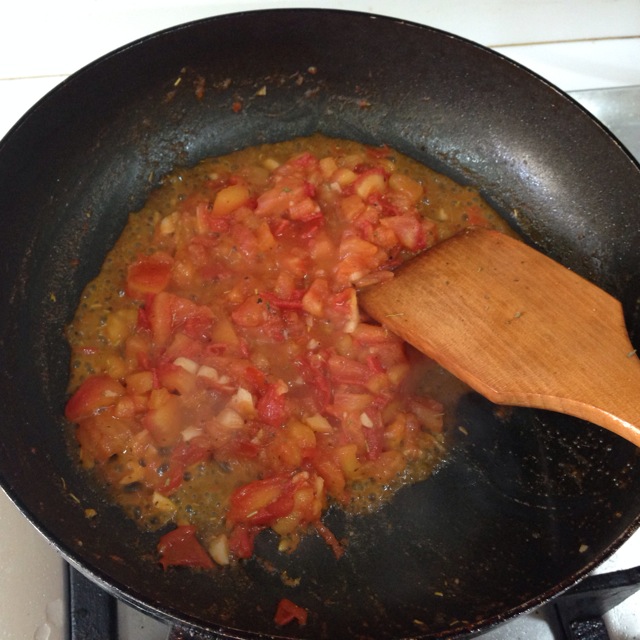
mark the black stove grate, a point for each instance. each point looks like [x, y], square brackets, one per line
[575, 615]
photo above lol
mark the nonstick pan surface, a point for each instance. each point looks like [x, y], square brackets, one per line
[526, 503]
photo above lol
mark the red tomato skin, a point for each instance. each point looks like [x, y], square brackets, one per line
[241, 541]
[180, 547]
[288, 611]
[94, 394]
[272, 407]
[149, 274]
[261, 502]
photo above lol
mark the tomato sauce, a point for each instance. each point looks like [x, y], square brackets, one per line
[223, 378]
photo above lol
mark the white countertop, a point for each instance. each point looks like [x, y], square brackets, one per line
[590, 44]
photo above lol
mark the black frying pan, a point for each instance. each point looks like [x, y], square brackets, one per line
[526, 503]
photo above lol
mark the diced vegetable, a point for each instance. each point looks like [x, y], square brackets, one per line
[181, 547]
[288, 611]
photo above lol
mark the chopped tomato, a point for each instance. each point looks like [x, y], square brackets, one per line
[94, 394]
[102, 436]
[149, 274]
[261, 502]
[272, 406]
[288, 611]
[167, 312]
[241, 541]
[229, 199]
[348, 371]
[253, 312]
[181, 547]
[164, 417]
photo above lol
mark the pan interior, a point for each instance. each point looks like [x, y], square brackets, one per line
[526, 502]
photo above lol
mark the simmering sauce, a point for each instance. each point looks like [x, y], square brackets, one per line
[223, 378]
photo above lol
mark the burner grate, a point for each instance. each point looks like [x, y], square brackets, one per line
[577, 614]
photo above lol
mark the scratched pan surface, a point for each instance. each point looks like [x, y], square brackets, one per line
[526, 503]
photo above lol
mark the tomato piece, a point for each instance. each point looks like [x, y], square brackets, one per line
[313, 370]
[370, 182]
[272, 406]
[315, 298]
[183, 346]
[159, 317]
[167, 312]
[293, 302]
[164, 418]
[181, 547]
[149, 274]
[331, 473]
[253, 312]
[402, 183]
[409, 230]
[261, 502]
[257, 381]
[176, 378]
[288, 611]
[229, 199]
[93, 395]
[385, 467]
[241, 541]
[348, 371]
[475, 217]
[101, 436]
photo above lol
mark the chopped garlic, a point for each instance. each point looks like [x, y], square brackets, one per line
[270, 163]
[219, 549]
[318, 423]
[242, 402]
[168, 223]
[162, 503]
[191, 432]
[230, 419]
[208, 372]
[187, 364]
[366, 421]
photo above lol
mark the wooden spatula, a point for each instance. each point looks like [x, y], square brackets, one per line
[517, 327]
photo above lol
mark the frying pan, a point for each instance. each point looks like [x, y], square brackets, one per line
[525, 504]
